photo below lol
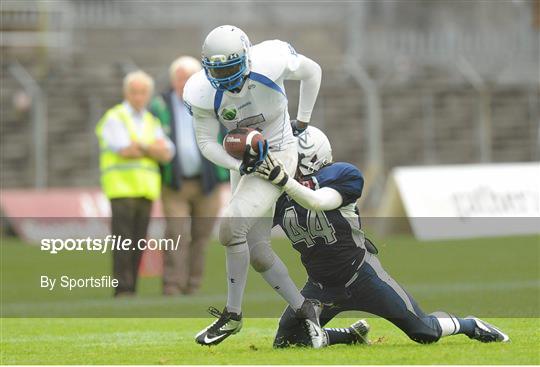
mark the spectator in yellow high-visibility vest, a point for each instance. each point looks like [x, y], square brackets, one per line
[132, 145]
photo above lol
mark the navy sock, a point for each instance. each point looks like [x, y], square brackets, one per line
[340, 336]
[466, 326]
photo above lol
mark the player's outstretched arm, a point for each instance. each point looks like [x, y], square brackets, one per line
[322, 199]
[309, 73]
[206, 133]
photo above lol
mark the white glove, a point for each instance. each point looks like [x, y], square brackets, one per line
[272, 170]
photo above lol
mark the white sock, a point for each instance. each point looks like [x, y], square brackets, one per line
[278, 278]
[237, 269]
[449, 324]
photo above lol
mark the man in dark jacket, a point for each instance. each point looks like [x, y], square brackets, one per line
[191, 193]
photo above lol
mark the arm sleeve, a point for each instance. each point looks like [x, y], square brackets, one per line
[309, 73]
[115, 135]
[322, 199]
[206, 132]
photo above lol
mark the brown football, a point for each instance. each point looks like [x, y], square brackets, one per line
[236, 140]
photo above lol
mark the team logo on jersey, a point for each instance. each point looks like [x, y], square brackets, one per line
[229, 113]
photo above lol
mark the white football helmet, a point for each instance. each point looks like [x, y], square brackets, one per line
[314, 151]
[225, 57]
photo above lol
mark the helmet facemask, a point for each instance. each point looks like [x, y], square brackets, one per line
[226, 59]
[308, 167]
[225, 73]
[314, 152]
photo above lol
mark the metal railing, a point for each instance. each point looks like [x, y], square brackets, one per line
[39, 122]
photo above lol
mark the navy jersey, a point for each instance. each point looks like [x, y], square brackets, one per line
[331, 243]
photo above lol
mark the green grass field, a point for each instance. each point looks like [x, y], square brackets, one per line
[497, 279]
[170, 341]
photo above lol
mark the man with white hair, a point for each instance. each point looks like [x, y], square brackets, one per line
[191, 194]
[132, 144]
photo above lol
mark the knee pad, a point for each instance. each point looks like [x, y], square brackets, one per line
[261, 256]
[290, 331]
[426, 333]
[225, 231]
[231, 231]
[234, 226]
[423, 330]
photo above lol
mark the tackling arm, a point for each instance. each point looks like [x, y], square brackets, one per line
[322, 199]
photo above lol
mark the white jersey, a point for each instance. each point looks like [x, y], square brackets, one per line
[261, 103]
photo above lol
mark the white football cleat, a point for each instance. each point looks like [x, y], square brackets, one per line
[487, 333]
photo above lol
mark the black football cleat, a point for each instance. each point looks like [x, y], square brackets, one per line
[487, 333]
[227, 324]
[360, 329]
[309, 314]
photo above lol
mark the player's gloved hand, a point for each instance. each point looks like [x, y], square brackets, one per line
[272, 170]
[250, 162]
[298, 127]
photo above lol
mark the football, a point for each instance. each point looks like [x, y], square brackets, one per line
[236, 140]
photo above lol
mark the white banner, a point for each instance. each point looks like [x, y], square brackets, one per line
[461, 201]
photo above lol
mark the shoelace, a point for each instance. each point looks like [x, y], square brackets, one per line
[216, 325]
[214, 312]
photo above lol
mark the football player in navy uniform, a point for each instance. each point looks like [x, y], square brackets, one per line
[319, 216]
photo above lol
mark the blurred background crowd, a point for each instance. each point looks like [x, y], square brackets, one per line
[404, 82]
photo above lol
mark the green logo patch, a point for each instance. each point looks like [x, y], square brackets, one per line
[229, 113]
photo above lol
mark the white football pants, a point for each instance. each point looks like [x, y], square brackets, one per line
[251, 208]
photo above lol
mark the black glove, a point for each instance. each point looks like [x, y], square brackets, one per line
[295, 129]
[250, 162]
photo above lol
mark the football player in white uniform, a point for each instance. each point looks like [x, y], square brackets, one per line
[242, 86]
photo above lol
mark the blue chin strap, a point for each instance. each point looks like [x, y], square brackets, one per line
[228, 83]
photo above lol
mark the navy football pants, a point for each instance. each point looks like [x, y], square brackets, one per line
[374, 291]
